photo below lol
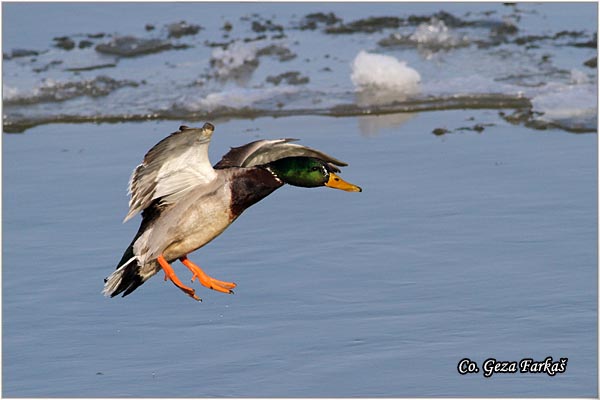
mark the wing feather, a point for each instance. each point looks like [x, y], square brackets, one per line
[173, 166]
[265, 151]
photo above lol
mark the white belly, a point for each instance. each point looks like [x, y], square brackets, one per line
[195, 221]
[200, 227]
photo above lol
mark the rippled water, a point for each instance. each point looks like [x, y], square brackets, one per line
[202, 61]
[475, 236]
[462, 245]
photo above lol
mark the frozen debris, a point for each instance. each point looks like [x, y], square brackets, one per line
[218, 44]
[377, 24]
[313, 20]
[91, 67]
[64, 42]
[255, 39]
[83, 44]
[227, 26]
[278, 36]
[234, 59]
[448, 19]
[52, 91]
[96, 35]
[434, 34]
[238, 58]
[366, 25]
[47, 66]
[291, 78]
[504, 28]
[179, 29]
[437, 34]
[592, 43]
[440, 131]
[16, 53]
[130, 46]
[395, 39]
[265, 26]
[592, 62]
[572, 34]
[279, 51]
[530, 39]
[475, 128]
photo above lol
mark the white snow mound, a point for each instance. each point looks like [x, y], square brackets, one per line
[379, 71]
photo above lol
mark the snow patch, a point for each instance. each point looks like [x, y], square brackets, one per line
[236, 56]
[566, 101]
[379, 71]
[236, 98]
[437, 34]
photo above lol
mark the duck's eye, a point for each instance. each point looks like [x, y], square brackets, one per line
[314, 169]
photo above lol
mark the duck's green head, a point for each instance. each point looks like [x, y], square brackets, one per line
[309, 172]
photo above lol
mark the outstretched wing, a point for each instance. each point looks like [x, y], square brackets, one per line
[172, 167]
[265, 151]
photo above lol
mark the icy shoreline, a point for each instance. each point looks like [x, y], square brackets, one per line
[315, 63]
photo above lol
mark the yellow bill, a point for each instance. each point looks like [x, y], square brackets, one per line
[338, 183]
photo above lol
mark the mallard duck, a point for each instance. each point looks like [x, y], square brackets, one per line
[186, 203]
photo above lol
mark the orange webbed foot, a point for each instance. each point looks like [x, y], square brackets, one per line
[205, 280]
[170, 274]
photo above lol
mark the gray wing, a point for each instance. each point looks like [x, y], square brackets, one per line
[171, 167]
[265, 151]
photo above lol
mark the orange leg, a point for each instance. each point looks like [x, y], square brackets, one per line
[170, 274]
[206, 280]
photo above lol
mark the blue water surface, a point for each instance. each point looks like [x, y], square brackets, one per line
[463, 245]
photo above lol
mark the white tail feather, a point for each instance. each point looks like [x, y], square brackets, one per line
[114, 280]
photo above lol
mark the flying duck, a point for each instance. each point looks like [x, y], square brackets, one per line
[185, 202]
